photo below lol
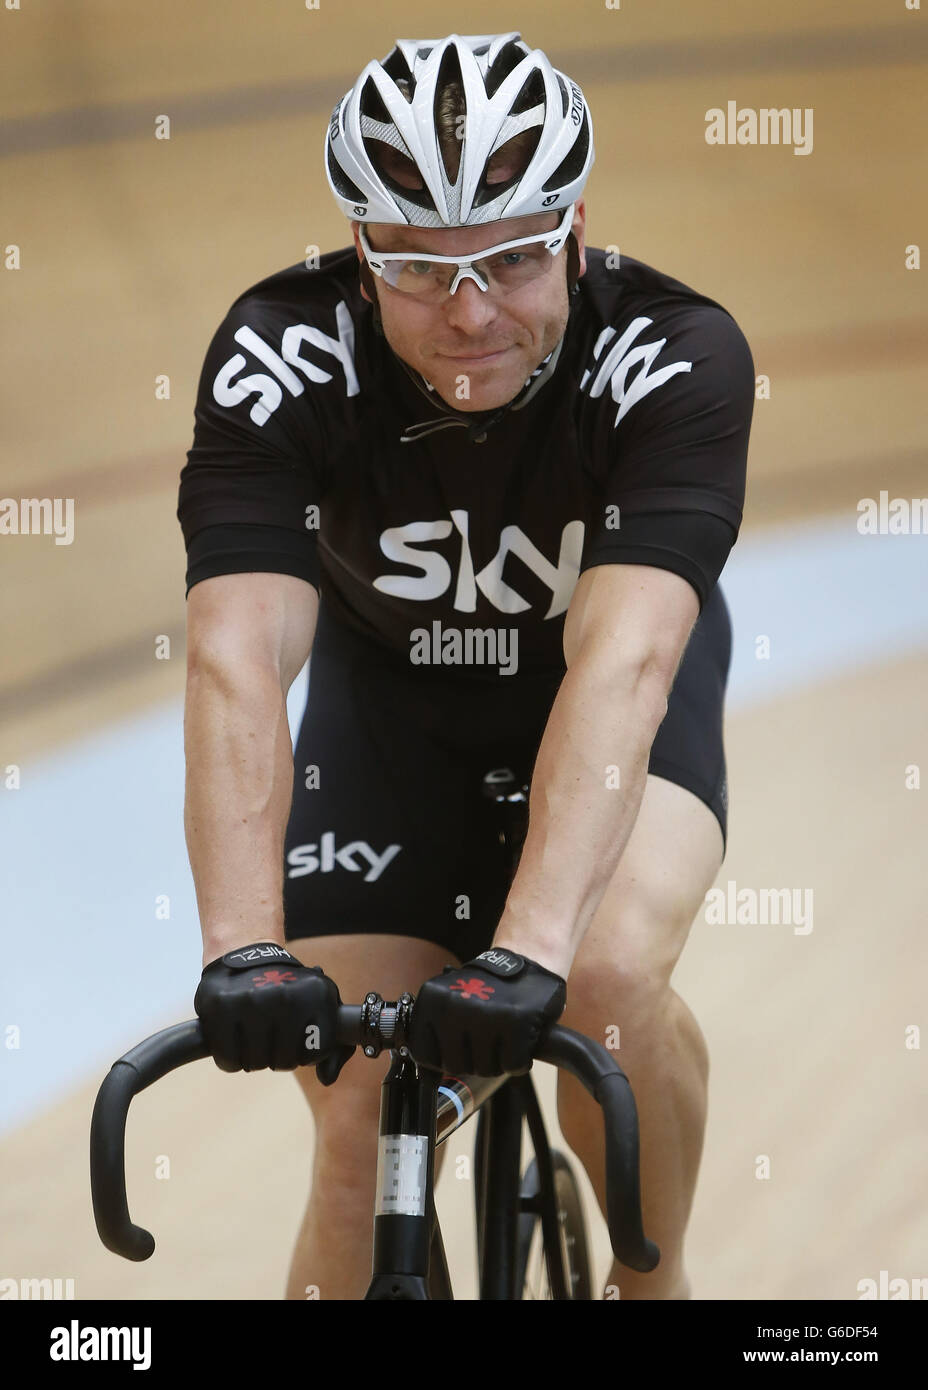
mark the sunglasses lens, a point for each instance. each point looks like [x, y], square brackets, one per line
[425, 279]
[510, 269]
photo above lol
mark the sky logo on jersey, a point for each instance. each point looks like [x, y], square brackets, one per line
[435, 578]
[619, 361]
[306, 859]
[231, 389]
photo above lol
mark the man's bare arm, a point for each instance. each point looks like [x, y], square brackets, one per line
[248, 637]
[624, 636]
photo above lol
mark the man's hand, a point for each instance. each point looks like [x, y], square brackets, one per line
[485, 1017]
[261, 1007]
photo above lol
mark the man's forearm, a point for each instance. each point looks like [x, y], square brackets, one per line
[587, 786]
[239, 788]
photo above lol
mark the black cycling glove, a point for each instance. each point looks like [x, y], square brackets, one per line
[485, 1017]
[257, 1005]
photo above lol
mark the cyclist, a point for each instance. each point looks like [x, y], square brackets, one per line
[489, 477]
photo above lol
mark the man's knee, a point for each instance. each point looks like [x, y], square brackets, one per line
[618, 988]
[625, 962]
[346, 1114]
[608, 995]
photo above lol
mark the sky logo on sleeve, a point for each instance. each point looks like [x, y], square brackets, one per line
[620, 359]
[231, 389]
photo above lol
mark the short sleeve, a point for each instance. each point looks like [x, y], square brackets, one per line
[250, 492]
[242, 549]
[672, 434]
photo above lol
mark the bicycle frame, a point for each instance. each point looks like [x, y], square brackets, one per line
[499, 1201]
[419, 1111]
[409, 1256]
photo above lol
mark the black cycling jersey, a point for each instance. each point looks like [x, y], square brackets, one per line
[318, 453]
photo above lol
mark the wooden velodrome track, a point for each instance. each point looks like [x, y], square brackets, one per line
[131, 250]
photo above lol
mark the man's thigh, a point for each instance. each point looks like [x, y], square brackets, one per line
[623, 966]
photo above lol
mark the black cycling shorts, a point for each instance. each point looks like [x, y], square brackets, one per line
[389, 830]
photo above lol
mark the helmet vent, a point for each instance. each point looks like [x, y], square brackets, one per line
[571, 166]
[532, 94]
[508, 58]
[372, 103]
[449, 102]
[342, 182]
[395, 66]
[522, 147]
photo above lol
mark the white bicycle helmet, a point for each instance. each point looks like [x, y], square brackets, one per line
[508, 88]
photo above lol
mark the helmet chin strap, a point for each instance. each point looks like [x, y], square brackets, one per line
[573, 264]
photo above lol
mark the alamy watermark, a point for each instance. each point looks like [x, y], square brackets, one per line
[468, 646]
[86, 1343]
[36, 1288]
[892, 1289]
[760, 906]
[892, 516]
[38, 516]
[764, 126]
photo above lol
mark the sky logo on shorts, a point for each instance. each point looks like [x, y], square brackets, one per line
[306, 859]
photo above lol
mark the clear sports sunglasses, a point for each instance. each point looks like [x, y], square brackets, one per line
[506, 267]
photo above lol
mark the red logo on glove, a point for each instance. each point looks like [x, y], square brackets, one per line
[473, 989]
[272, 977]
